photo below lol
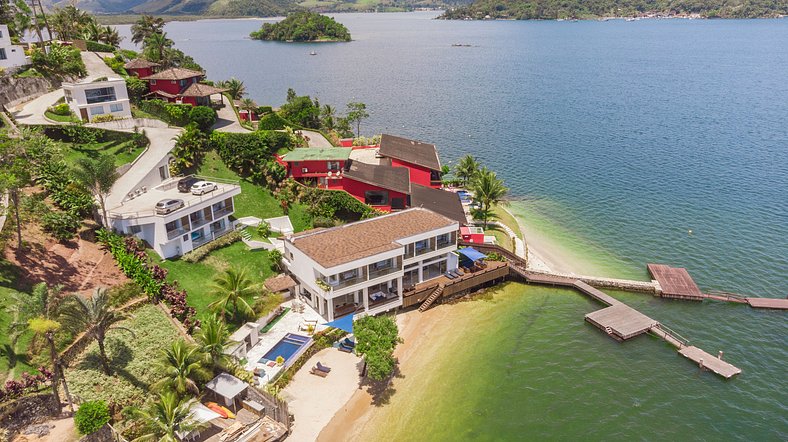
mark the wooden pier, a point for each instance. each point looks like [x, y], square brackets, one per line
[707, 361]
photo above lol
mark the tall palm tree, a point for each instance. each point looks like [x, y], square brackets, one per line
[38, 312]
[214, 339]
[156, 45]
[167, 417]
[92, 31]
[146, 26]
[235, 88]
[96, 317]
[182, 368]
[232, 287]
[110, 36]
[328, 116]
[489, 191]
[98, 176]
[467, 168]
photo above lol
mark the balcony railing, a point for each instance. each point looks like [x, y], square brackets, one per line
[424, 250]
[444, 244]
[200, 222]
[172, 234]
[382, 272]
[200, 241]
[226, 210]
[347, 282]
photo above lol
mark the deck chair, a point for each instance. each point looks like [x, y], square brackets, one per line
[323, 368]
[317, 372]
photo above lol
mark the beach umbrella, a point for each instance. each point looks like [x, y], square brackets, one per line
[344, 323]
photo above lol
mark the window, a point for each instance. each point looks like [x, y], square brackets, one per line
[100, 95]
[333, 166]
[2, 54]
[380, 265]
[183, 83]
[1, 34]
[96, 110]
[153, 82]
[135, 229]
[116, 107]
[163, 172]
[376, 197]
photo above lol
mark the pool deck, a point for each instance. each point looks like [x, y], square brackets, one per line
[288, 324]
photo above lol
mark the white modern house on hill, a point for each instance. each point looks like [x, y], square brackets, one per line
[103, 96]
[363, 267]
[174, 222]
[11, 55]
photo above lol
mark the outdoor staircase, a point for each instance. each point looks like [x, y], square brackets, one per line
[433, 296]
[608, 330]
[245, 234]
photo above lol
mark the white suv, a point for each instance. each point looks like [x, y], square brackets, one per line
[202, 187]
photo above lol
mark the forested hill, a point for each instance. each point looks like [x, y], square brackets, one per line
[589, 9]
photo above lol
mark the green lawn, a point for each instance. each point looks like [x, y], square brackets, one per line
[505, 217]
[61, 118]
[13, 361]
[139, 113]
[196, 278]
[132, 359]
[253, 200]
[123, 151]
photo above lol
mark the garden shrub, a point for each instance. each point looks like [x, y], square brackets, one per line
[103, 118]
[322, 221]
[172, 113]
[136, 88]
[250, 155]
[61, 109]
[91, 416]
[123, 293]
[262, 110]
[116, 64]
[62, 225]
[203, 116]
[201, 252]
[13, 389]
[94, 46]
[272, 121]
[59, 61]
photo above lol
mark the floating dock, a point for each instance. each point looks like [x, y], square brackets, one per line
[707, 361]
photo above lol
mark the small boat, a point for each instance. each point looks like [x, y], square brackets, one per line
[461, 45]
[313, 53]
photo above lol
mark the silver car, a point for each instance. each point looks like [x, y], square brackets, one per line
[201, 187]
[164, 207]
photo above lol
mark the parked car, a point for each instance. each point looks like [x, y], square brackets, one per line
[202, 187]
[185, 184]
[164, 207]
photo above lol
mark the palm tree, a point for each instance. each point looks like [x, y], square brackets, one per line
[328, 116]
[213, 339]
[467, 168]
[95, 317]
[235, 88]
[182, 367]
[146, 26]
[92, 31]
[110, 36]
[249, 106]
[189, 146]
[38, 313]
[68, 22]
[156, 45]
[232, 286]
[14, 175]
[167, 417]
[98, 176]
[489, 191]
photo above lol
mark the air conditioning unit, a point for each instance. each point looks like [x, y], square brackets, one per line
[304, 170]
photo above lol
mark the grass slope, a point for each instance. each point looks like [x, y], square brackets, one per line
[123, 151]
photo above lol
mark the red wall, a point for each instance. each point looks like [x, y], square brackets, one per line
[312, 167]
[189, 100]
[357, 189]
[141, 72]
[171, 86]
[418, 174]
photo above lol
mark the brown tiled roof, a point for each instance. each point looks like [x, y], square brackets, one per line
[174, 74]
[140, 63]
[279, 283]
[347, 243]
[201, 90]
[162, 93]
[387, 177]
[414, 152]
[439, 201]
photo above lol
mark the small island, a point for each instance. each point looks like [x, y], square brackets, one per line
[303, 27]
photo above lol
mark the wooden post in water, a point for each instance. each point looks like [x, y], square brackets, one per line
[719, 355]
[700, 363]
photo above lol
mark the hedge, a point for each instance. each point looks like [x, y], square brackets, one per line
[94, 46]
[201, 252]
[91, 416]
[272, 121]
[172, 113]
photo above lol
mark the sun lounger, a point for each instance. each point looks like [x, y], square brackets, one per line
[348, 343]
[449, 275]
[343, 347]
[455, 274]
[322, 367]
[317, 372]
[459, 271]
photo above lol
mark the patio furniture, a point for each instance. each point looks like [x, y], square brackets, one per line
[348, 343]
[449, 275]
[344, 309]
[346, 349]
[317, 372]
[322, 367]
[376, 296]
[459, 271]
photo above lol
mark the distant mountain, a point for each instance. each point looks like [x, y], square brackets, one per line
[257, 8]
[588, 9]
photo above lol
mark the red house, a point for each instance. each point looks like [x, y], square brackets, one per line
[140, 67]
[420, 158]
[382, 187]
[322, 166]
[179, 85]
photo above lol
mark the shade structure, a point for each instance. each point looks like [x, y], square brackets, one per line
[471, 254]
[344, 323]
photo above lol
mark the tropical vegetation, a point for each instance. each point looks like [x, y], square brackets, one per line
[91, 416]
[376, 338]
[303, 26]
[561, 9]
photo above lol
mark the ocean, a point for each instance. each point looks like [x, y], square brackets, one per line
[625, 143]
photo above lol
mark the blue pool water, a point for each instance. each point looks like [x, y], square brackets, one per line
[286, 348]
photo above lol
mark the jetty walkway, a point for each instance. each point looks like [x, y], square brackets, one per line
[618, 320]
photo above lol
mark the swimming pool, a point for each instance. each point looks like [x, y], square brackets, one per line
[286, 348]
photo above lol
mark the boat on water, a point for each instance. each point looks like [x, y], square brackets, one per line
[460, 45]
[313, 53]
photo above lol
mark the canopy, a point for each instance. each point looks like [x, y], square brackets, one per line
[344, 323]
[471, 253]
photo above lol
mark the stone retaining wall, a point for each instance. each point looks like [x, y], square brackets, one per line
[14, 90]
[26, 411]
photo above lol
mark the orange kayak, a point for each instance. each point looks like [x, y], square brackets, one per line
[213, 406]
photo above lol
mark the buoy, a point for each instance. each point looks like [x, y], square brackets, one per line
[689, 232]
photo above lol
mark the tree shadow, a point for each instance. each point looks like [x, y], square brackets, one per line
[382, 391]
[120, 357]
[8, 353]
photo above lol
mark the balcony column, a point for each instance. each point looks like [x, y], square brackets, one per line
[330, 307]
[399, 288]
[421, 272]
[365, 294]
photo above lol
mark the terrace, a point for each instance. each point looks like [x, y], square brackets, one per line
[472, 278]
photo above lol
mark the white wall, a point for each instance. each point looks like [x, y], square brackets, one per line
[15, 54]
[76, 99]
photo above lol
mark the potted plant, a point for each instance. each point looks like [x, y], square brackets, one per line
[280, 361]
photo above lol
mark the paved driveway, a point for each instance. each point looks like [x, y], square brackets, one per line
[227, 121]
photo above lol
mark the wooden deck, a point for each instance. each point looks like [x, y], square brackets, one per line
[772, 303]
[707, 361]
[675, 282]
[495, 270]
[621, 322]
